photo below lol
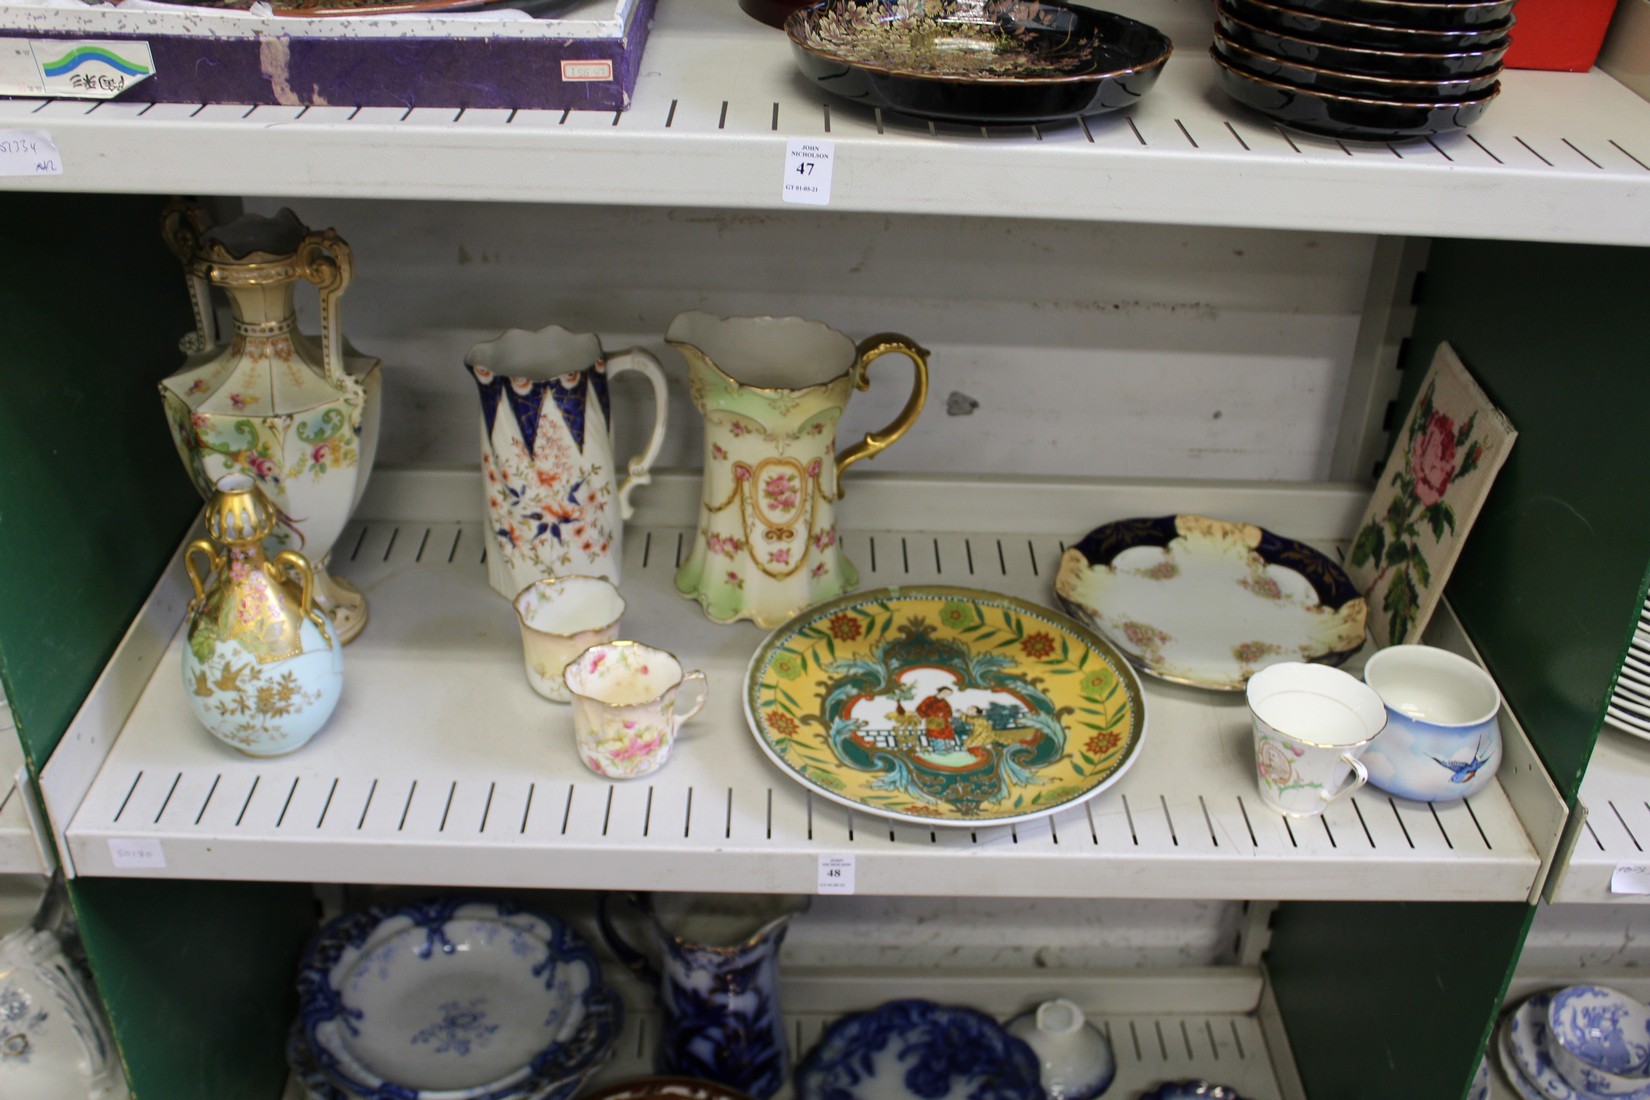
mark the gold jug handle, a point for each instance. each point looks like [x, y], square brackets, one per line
[214, 563]
[325, 260]
[874, 347]
[306, 578]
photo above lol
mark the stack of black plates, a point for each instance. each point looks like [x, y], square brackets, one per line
[1374, 70]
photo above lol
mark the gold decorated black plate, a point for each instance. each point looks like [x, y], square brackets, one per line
[987, 62]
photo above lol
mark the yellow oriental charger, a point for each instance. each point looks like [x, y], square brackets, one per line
[945, 706]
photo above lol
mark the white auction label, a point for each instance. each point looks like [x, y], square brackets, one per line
[134, 854]
[29, 153]
[808, 173]
[1630, 878]
[91, 68]
[836, 874]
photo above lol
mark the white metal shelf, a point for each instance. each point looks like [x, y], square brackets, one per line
[1615, 794]
[1209, 1024]
[19, 851]
[441, 767]
[1558, 157]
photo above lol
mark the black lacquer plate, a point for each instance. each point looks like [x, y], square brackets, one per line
[1348, 116]
[1000, 62]
[1365, 36]
[1392, 63]
[1443, 15]
[1352, 84]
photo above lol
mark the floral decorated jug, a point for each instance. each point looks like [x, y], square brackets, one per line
[771, 390]
[262, 666]
[717, 976]
[300, 417]
[554, 505]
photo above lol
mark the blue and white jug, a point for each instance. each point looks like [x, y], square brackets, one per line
[718, 979]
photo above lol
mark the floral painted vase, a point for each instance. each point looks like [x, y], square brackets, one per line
[771, 390]
[717, 975]
[262, 667]
[298, 416]
[554, 504]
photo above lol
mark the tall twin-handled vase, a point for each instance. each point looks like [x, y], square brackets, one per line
[299, 417]
[771, 390]
[262, 668]
[555, 504]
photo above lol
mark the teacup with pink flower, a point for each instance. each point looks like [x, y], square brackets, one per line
[625, 714]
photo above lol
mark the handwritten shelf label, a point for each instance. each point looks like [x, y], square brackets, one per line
[1630, 878]
[836, 874]
[137, 854]
[29, 153]
[808, 172]
[90, 69]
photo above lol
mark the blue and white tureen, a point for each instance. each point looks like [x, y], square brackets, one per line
[451, 999]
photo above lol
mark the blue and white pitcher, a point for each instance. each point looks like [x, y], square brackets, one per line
[555, 505]
[718, 980]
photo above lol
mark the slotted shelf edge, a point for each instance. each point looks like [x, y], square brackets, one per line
[441, 767]
[1615, 828]
[1558, 156]
[1215, 1024]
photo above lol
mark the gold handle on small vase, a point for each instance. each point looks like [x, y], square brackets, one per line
[306, 578]
[874, 347]
[325, 260]
[214, 563]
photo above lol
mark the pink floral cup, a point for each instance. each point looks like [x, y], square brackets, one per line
[1311, 725]
[560, 618]
[624, 707]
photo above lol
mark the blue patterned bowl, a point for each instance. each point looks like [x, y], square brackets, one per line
[1599, 1040]
[454, 999]
[1190, 1090]
[918, 1048]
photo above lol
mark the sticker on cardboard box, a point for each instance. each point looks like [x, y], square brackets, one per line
[29, 153]
[91, 68]
[600, 69]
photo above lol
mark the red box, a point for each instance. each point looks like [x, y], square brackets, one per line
[1558, 34]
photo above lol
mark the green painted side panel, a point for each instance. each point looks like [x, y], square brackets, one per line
[198, 979]
[1392, 999]
[93, 499]
[1553, 575]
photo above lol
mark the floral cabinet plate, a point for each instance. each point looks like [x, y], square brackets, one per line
[1204, 602]
[945, 706]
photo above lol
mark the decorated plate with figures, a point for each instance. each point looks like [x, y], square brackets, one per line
[1204, 602]
[945, 706]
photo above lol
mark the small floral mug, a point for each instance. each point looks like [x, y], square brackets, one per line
[624, 707]
[560, 618]
[1311, 724]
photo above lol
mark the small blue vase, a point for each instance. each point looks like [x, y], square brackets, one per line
[718, 980]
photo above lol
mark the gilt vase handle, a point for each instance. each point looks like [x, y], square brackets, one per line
[871, 348]
[325, 260]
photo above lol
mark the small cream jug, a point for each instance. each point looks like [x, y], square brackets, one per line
[771, 390]
[554, 505]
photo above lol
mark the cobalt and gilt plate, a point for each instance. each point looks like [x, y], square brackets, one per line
[987, 62]
[944, 706]
[917, 1048]
[1208, 603]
